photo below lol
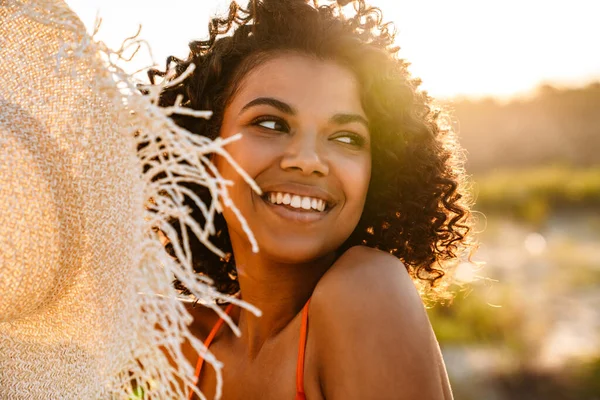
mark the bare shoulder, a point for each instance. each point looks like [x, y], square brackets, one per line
[366, 274]
[372, 333]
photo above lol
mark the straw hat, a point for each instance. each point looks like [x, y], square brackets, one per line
[86, 300]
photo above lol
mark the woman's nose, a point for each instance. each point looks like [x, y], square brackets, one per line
[304, 154]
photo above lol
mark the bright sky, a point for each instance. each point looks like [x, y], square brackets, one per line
[457, 47]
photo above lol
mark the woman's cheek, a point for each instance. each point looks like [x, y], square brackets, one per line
[355, 174]
[241, 151]
[254, 153]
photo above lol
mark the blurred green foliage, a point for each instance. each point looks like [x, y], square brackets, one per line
[138, 394]
[587, 379]
[536, 174]
[579, 381]
[470, 319]
[531, 194]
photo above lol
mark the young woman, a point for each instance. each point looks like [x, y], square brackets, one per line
[361, 195]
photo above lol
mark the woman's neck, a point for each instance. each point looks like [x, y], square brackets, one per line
[279, 290]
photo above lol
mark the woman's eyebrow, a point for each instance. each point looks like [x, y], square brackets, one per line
[342, 119]
[278, 104]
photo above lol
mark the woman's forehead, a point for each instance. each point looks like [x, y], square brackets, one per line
[303, 82]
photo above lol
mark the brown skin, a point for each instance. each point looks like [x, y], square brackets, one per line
[369, 336]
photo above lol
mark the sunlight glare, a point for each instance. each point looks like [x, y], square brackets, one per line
[458, 48]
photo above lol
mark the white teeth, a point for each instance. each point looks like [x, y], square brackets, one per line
[297, 201]
[287, 199]
[306, 203]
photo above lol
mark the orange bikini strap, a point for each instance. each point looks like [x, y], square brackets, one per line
[207, 343]
[300, 395]
[301, 351]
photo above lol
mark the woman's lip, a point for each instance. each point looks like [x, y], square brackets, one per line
[300, 215]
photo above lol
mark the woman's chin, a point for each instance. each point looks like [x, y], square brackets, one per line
[296, 251]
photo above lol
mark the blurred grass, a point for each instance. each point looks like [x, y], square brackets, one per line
[471, 319]
[544, 293]
[588, 379]
[532, 194]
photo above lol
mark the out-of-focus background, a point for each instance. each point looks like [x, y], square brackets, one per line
[527, 326]
[522, 80]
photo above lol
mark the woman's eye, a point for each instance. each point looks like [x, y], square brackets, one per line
[271, 124]
[351, 139]
[344, 139]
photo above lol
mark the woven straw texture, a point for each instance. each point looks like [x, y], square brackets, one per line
[87, 309]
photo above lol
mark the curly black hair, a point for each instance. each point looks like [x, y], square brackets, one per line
[416, 208]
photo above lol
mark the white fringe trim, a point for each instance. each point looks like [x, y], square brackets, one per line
[163, 319]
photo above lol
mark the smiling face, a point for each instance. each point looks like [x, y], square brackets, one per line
[307, 145]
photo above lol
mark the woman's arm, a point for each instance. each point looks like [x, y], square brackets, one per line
[372, 333]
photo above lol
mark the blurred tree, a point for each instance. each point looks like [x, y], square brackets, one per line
[556, 126]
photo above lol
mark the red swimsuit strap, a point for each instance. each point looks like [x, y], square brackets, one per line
[301, 351]
[207, 343]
